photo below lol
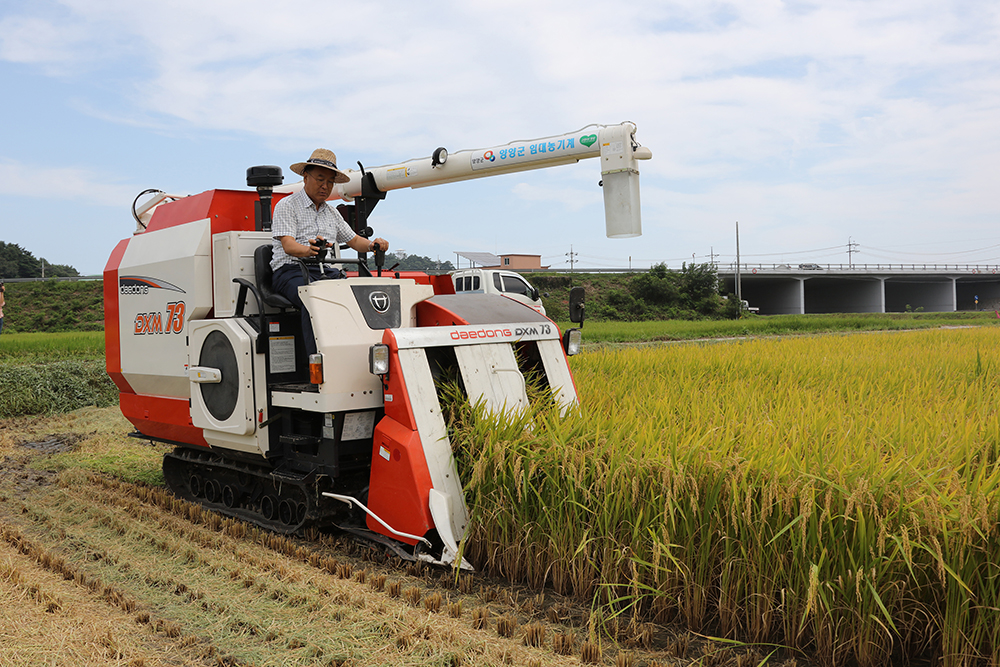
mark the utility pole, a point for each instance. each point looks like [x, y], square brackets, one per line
[711, 255]
[739, 289]
[572, 257]
[852, 247]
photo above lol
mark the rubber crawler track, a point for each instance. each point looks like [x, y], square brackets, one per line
[248, 492]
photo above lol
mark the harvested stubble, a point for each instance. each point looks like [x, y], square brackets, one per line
[564, 643]
[433, 602]
[294, 613]
[835, 494]
[506, 626]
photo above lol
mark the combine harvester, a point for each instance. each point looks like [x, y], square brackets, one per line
[208, 358]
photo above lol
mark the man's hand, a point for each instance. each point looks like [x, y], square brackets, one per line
[295, 249]
[361, 244]
[324, 247]
[317, 245]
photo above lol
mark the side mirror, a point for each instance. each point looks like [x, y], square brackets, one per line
[534, 294]
[576, 308]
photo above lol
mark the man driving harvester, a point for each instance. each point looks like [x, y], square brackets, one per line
[303, 223]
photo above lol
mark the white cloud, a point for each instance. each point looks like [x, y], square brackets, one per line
[50, 183]
[800, 118]
[27, 39]
[573, 199]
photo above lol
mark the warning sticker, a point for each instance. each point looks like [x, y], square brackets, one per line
[397, 173]
[282, 349]
[358, 426]
[613, 147]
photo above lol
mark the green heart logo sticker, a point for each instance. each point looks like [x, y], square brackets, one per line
[588, 140]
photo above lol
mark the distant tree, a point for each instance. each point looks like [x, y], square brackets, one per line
[699, 285]
[16, 262]
[659, 287]
[660, 293]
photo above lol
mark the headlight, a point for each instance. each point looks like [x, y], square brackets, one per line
[572, 340]
[378, 359]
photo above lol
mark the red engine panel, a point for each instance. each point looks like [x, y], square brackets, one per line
[164, 417]
[161, 417]
[229, 210]
[112, 336]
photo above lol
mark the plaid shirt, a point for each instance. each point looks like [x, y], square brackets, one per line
[297, 216]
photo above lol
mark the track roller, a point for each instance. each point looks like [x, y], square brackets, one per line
[247, 491]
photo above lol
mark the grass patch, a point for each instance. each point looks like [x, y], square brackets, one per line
[101, 444]
[54, 305]
[130, 462]
[51, 346]
[45, 388]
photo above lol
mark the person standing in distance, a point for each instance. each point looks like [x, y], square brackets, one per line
[3, 291]
[303, 223]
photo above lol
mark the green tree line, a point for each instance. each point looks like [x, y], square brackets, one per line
[16, 262]
[692, 293]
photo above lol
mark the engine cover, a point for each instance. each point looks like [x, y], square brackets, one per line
[221, 377]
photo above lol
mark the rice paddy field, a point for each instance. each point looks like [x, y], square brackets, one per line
[836, 494]
[812, 500]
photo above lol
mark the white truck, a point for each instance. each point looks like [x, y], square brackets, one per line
[496, 281]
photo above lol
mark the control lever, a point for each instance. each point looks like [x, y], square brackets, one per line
[379, 258]
[323, 247]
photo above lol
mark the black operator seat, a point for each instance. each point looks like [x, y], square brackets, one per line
[262, 272]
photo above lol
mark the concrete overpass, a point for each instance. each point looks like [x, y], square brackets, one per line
[832, 288]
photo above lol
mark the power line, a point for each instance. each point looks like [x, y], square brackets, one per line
[941, 254]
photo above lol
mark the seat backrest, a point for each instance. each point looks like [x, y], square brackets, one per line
[262, 272]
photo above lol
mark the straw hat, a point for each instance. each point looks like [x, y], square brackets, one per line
[321, 157]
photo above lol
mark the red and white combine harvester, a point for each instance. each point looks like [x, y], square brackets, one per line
[206, 357]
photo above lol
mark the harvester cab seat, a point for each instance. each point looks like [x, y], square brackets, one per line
[263, 274]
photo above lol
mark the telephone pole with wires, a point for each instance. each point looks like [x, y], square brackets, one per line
[852, 247]
[572, 258]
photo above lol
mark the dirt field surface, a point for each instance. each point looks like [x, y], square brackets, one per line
[98, 570]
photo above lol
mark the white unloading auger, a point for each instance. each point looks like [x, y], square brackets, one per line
[614, 144]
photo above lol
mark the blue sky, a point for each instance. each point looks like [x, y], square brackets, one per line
[808, 123]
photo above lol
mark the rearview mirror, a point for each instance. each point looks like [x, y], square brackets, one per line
[576, 299]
